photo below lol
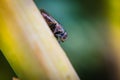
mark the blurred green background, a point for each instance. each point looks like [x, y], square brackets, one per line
[87, 45]
[86, 24]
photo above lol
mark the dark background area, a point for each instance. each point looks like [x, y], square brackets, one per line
[6, 72]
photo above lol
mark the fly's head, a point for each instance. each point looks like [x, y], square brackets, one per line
[63, 36]
[60, 34]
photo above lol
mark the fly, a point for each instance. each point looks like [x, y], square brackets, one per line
[55, 27]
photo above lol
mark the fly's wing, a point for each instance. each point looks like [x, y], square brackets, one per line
[52, 23]
[49, 19]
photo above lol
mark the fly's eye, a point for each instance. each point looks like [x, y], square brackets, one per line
[64, 35]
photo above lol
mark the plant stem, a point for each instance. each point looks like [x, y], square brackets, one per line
[29, 45]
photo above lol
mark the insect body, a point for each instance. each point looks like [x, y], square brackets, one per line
[56, 28]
